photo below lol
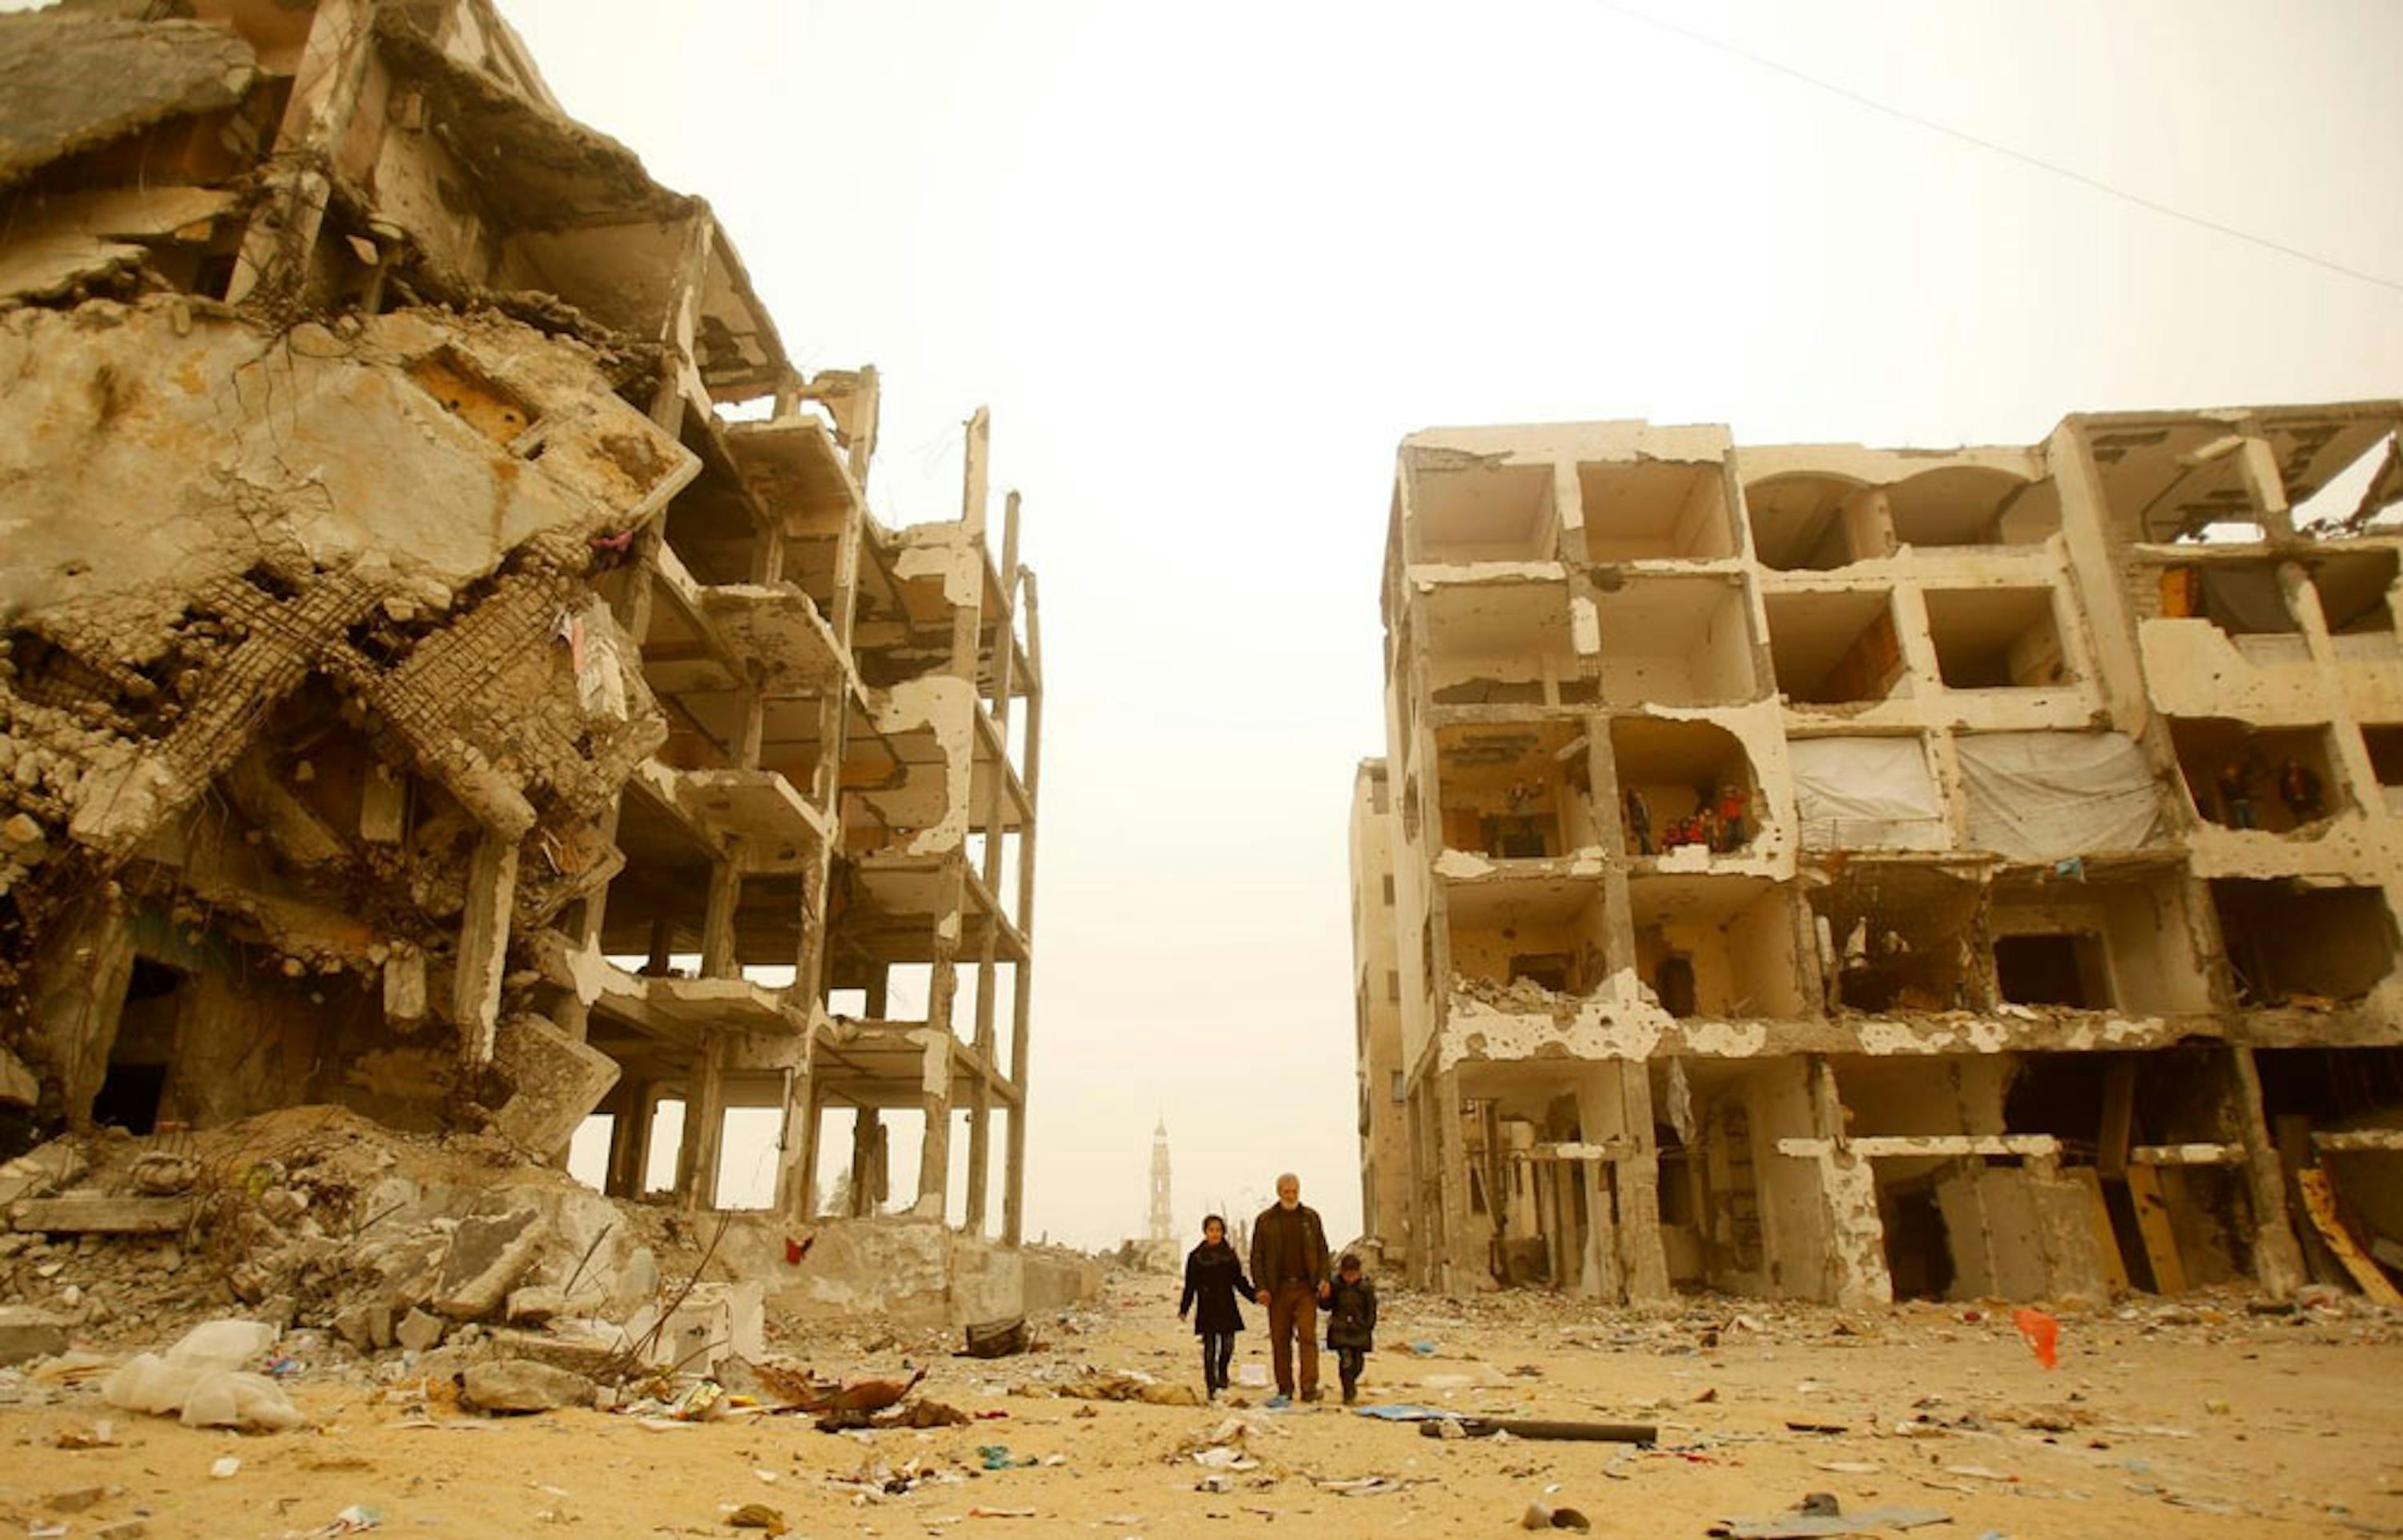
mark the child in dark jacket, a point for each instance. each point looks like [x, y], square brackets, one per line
[1214, 1276]
[1351, 1322]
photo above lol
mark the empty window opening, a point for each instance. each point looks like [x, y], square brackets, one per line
[1996, 638]
[136, 1079]
[1650, 510]
[1553, 929]
[2053, 970]
[2244, 599]
[2242, 777]
[2384, 742]
[1681, 640]
[2356, 592]
[2352, 491]
[747, 1148]
[1684, 783]
[1918, 1245]
[1972, 505]
[1834, 649]
[588, 1150]
[1808, 521]
[1892, 938]
[2142, 943]
[1500, 643]
[667, 1144]
[2288, 943]
[1514, 791]
[1717, 947]
[1474, 510]
[2172, 480]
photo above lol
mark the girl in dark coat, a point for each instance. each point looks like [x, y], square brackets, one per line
[1351, 1322]
[1214, 1275]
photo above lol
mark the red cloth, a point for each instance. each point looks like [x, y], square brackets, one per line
[2043, 1334]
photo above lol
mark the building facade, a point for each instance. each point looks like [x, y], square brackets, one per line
[1837, 873]
[452, 670]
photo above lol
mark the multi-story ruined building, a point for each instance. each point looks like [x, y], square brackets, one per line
[450, 667]
[1835, 873]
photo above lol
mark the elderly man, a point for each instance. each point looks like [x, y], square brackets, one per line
[1289, 1268]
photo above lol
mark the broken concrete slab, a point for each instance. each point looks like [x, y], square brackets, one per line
[28, 1333]
[42, 1171]
[75, 1214]
[515, 1385]
[488, 1255]
[418, 1332]
[71, 81]
[559, 1081]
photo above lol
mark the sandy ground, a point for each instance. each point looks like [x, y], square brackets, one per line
[2162, 1420]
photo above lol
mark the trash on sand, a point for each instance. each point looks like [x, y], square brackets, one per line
[1804, 1526]
[2043, 1334]
[1529, 1427]
[1543, 1516]
[224, 1465]
[1361, 1486]
[1001, 1513]
[1252, 1376]
[351, 1520]
[201, 1376]
[995, 1338]
[1223, 1457]
[757, 1515]
[1424, 1348]
[1403, 1411]
[997, 1457]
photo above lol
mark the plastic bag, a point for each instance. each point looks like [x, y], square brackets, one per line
[201, 1376]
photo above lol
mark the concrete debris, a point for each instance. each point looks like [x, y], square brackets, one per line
[521, 1385]
[28, 1333]
[410, 656]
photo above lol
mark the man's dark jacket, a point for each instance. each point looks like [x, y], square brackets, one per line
[1288, 1243]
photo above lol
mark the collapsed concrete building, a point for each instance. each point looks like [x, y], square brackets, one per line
[1837, 873]
[450, 670]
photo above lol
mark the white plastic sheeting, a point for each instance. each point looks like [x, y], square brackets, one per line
[2049, 796]
[1866, 794]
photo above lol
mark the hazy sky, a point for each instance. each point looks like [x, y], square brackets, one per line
[1208, 264]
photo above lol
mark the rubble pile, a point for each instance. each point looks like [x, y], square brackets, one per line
[317, 1219]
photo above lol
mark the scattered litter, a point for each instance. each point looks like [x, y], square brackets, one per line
[1403, 1411]
[2043, 1334]
[201, 1376]
[1001, 1513]
[1541, 1516]
[1423, 1348]
[1849, 1467]
[351, 1520]
[757, 1515]
[1795, 1425]
[1811, 1526]
[1361, 1486]
[224, 1465]
[997, 1457]
[1526, 1427]
[1252, 1376]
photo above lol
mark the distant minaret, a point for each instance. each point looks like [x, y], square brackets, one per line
[1163, 1226]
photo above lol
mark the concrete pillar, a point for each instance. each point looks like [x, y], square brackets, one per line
[866, 1133]
[934, 1143]
[705, 1126]
[718, 958]
[80, 984]
[803, 1202]
[2277, 1258]
[1455, 1271]
[483, 955]
[1644, 1264]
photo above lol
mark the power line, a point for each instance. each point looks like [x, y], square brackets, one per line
[1993, 146]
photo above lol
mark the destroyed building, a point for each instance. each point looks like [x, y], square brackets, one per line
[1838, 874]
[447, 666]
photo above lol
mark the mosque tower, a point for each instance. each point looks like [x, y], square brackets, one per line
[1163, 1224]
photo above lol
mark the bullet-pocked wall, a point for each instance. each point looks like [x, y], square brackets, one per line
[1836, 872]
